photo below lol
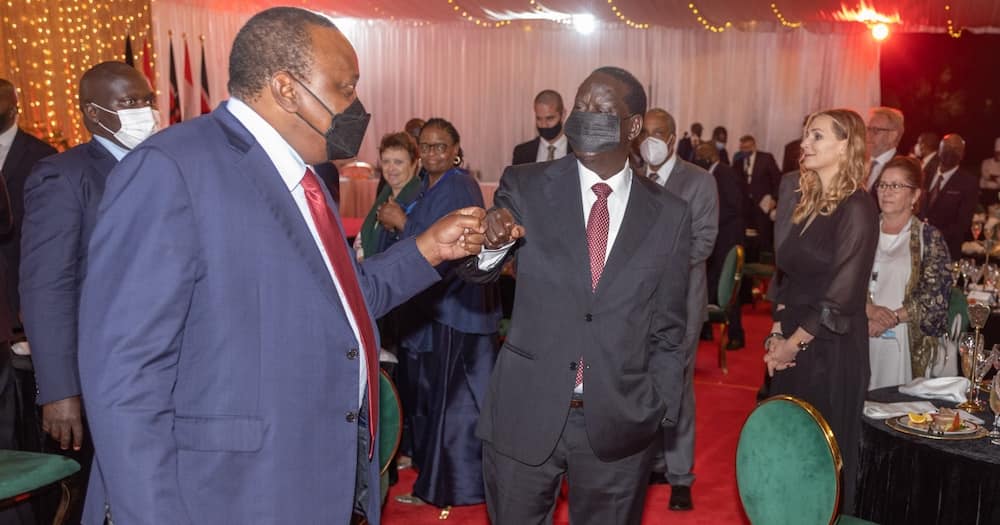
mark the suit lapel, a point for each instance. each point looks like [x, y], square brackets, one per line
[17, 147]
[256, 166]
[562, 192]
[640, 215]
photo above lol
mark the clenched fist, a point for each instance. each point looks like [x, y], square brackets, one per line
[501, 228]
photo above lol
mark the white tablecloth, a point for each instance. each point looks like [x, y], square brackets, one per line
[358, 195]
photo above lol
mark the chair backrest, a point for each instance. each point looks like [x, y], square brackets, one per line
[390, 421]
[729, 279]
[958, 306]
[788, 465]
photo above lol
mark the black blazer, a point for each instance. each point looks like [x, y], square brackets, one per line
[952, 210]
[25, 151]
[764, 181]
[629, 331]
[731, 224]
[527, 152]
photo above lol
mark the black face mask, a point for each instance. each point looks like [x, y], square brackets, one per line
[550, 133]
[346, 131]
[593, 132]
[949, 158]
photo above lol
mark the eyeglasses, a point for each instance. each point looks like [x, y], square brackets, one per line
[873, 130]
[894, 187]
[438, 148]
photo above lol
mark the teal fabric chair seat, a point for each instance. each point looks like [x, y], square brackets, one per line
[390, 424]
[788, 466]
[958, 306]
[22, 473]
[729, 293]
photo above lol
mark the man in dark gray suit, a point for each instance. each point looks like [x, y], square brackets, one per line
[593, 365]
[698, 189]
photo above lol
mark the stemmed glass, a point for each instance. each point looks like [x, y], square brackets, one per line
[995, 407]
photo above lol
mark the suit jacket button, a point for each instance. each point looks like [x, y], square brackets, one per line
[351, 417]
[588, 318]
[573, 365]
[352, 353]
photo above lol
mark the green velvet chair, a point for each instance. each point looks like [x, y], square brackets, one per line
[958, 306]
[24, 473]
[760, 273]
[390, 424]
[788, 466]
[729, 294]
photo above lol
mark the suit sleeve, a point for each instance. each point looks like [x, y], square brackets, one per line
[505, 197]
[668, 359]
[142, 268]
[773, 175]
[704, 220]
[391, 277]
[49, 284]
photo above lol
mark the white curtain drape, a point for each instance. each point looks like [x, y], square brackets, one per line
[484, 80]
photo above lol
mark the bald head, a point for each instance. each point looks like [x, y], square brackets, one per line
[8, 105]
[706, 154]
[951, 151]
[98, 80]
[110, 87]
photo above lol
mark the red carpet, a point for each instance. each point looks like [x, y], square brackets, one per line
[723, 402]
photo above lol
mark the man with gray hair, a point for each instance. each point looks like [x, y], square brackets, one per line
[885, 128]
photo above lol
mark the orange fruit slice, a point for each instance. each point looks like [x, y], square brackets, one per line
[918, 418]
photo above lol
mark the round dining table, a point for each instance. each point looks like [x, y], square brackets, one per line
[910, 479]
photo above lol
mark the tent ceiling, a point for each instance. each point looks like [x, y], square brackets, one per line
[816, 15]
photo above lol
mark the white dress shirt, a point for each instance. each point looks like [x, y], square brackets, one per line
[945, 177]
[543, 148]
[6, 140]
[292, 168]
[880, 163]
[663, 173]
[115, 150]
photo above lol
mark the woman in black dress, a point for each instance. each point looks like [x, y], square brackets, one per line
[827, 234]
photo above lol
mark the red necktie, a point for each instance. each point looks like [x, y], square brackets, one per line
[598, 225]
[335, 245]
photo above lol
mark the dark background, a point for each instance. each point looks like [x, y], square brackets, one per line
[945, 85]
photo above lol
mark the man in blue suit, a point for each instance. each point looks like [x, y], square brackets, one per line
[226, 336]
[60, 208]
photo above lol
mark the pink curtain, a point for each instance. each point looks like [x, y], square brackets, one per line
[484, 80]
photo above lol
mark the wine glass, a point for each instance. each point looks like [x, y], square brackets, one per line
[995, 407]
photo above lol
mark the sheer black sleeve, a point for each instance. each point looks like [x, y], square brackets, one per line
[855, 240]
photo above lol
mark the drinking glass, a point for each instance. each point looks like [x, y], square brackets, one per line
[995, 407]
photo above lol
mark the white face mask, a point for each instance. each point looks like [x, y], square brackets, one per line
[137, 124]
[654, 151]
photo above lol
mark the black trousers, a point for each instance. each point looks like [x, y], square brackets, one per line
[600, 492]
[10, 427]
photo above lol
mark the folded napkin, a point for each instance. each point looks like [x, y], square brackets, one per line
[944, 388]
[889, 410]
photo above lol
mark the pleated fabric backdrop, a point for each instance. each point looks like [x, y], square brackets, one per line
[484, 80]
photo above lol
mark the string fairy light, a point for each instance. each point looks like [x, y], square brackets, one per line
[781, 18]
[48, 44]
[626, 20]
[951, 26]
[708, 26]
[479, 21]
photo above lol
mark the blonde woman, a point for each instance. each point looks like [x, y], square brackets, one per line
[827, 231]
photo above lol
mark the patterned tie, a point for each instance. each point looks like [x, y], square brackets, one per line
[335, 244]
[871, 175]
[598, 225]
[654, 177]
[746, 169]
[935, 189]
[552, 152]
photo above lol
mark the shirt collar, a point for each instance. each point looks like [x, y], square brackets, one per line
[115, 150]
[7, 137]
[946, 175]
[558, 143]
[885, 157]
[666, 169]
[286, 160]
[620, 182]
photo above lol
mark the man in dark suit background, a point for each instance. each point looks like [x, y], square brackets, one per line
[19, 152]
[60, 201]
[951, 195]
[687, 145]
[593, 365]
[551, 143]
[731, 222]
[227, 350]
[698, 189]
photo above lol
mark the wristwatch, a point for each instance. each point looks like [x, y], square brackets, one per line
[802, 345]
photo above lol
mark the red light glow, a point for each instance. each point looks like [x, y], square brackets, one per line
[866, 14]
[880, 32]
